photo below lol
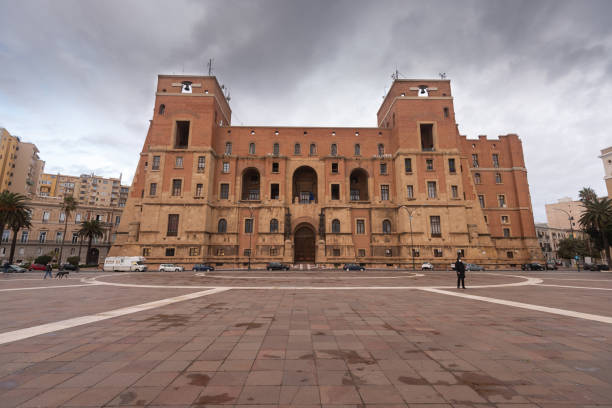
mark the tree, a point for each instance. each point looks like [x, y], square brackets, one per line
[68, 206]
[90, 230]
[587, 194]
[14, 214]
[597, 216]
[570, 247]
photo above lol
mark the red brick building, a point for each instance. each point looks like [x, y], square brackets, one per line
[410, 189]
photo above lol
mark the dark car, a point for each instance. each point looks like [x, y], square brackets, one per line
[595, 267]
[14, 269]
[353, 267]
[532, 267]
[68, 267]
[203, 267]
[277, 266]
[37, 267]
[550, 266]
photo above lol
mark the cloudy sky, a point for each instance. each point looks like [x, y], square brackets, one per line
[77, 77]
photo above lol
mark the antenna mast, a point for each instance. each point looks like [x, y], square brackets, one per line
[210, 64]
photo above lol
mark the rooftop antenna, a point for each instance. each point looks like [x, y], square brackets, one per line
[442, 75]
[210, 64]
[395, 75]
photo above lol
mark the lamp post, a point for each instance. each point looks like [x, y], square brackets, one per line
[570, 219]
[251, 209]
[410, 212]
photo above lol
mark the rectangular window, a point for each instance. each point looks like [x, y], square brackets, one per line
[410, 191]
[495, 160]
[461, 253]
[434, 221]
[504, 219]
[451, 166]
[42, 237]
[201, 164]
[146, 251]
[59, 236]
[297, 149]
[226, 167]
[6, 235]
[502, 200]
[437, 252]
[155, 165]
[486, 219]
[275, 167]
[427, 142]
[247, 252]
[198, 190]
[194, 251]
[498, 178]
[335, 252]
[481, 200]
[224, 191]
[45, 217]
[176, 187]
[313, 149]
[153, 189]
[228, 148]
[361, 253]
[75, 237]
[429, 164]
[117, 220]
[62, 217]
[334, 168]
[360, 226]
[416, 253]
[274, 191]
[506, 232]
[178, 162]
[474, 160]
[383, 168]
[408, 165]
[384, 192]
[273, 250]
[170, 251]
[182, 135]
[335, 191]
[431, 189]
[173, 221]
[77, 218]
[455, 191]
[248, 225]
[510, 254]
[24, 236]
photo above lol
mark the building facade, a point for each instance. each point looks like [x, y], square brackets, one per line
[87, 189]
[20, 166]
[47, 232]
[550, 237]
[558, 214]
[407, 191]
[606, 159]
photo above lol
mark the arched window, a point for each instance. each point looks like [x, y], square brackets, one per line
[336, 226]
[276, 149]
[252, 148]
[297, 149]
[386, 227]
[357, 150]
[334, 149]
[162, 109]
[228, 148]
[222, 226]
[477, 178]
[273, 225]
[381, 149]
[313, 149]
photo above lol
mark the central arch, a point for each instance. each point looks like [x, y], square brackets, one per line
[304, 244]
[305, 185]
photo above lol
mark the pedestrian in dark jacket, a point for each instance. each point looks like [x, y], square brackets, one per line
[460, 269]
[48, 270]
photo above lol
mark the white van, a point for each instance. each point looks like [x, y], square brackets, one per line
[125, 264]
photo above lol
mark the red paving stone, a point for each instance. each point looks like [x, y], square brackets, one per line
[291, 347]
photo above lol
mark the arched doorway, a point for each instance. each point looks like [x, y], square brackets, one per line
[304, 185]
[250, 184]
[92, 256]
[359, 185]
[304, 244]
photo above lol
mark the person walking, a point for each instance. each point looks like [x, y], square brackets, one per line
[48, 271]
[460, 269]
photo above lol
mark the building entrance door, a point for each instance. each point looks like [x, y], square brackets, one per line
[304, 245]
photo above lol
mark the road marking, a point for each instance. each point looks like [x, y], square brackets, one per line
[577, 287]
[416, 275]
[21, 334]
[561, 312]
[46, 287]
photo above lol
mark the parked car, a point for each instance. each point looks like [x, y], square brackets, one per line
[595, 267]
[427, 267]
[473, 267]
[170, 268]
[277, 266]
[68, 267]
[203, 267]
[550, 266]
[15, 269]
[532, 267]
[37, 267]
[353, 267]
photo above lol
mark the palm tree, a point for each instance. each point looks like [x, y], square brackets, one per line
[14, 213]
[68, 206]
[90, 230]
[598, 215]
[587, 194]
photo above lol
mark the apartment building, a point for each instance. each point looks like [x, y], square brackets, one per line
[20, 166]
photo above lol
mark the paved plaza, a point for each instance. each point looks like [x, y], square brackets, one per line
[307, 338]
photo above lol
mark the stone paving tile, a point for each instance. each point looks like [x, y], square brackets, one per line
[94, 397]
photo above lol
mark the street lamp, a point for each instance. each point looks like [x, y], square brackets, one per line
[410, 212]
[251, 209]
[570, 219]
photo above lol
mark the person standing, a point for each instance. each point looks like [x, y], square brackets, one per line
[48, 271]
[460, 269]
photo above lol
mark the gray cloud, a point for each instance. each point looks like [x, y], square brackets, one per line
[78, 77]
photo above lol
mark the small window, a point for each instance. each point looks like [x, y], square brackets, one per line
[274, 191]
[438, 252]
[194, 251]
[409, 191]
[146, 251]
[486, 219]
[297, 149]
[162, 109]
[335, 252]
[381, 149]
[357, 150]
[416, 253]
[178, 162]
[273, 251]
[495, 160]
[251, 148]
[384, 192]
[222, 226]
[383, 168]
[182, 135]
[198, 190]
[455, 191]
[334, 149]
[275, 167]
[228, 148]
[498, 178]
[224, 191]
[474, 160]
[434, 222]
[361, 253]
[386, 227]
[335, 226]
[155, 165]
[201, 163]
[431, 189]
[220, 252]
[510, 254]
[334, 168]
[451, 166]
[173, 222]
[360, 226]
[461, 253]
[408, 165]
[427, 142]
[176, 187]
[506, 232]
[502, 201]
[481, 200]
[313, 149]
[445, 110]
[429, 164]
[335, 191]
[388, 252]
[247, 252]
[504, 219]
[477, 179]
[152, 189]
[170, 251]
[273, 225]
[226, 167]
[248, 226]
[276, 149]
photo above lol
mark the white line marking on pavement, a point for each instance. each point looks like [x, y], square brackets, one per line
[416, 275]
[576, 287]
[561, 312]
[21, 334]
[47, 287]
